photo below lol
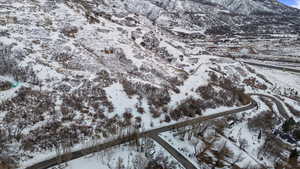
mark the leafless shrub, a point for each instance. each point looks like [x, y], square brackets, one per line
[139, 161]
[164, 162]
[223, 153]
[264, 121]
[220, 125]
[150, 42]
[222, 93]
[254, 83]
[175, 81]
[157, 97]
[154, 165]
[70, 31]
[167, 118]
[155, 112]
[206, 92]
[128, 87]
[225, 97]
[226, 83]
[127, 115]
[9, 65]
[175, 115]
[140, 110]
[189, 107]
[62, 57]
[272, 146]
[208, 104]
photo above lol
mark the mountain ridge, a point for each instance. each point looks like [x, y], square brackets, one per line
[246, 16]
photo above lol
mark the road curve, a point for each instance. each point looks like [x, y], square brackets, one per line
[83, 152]
[279, 105]
[273, 67]
[177, 155]
[185, 162]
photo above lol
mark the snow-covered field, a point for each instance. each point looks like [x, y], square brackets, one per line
[125, 156]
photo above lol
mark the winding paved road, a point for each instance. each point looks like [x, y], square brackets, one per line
[177, 155]
[154, 132]
[272, 66]
[154, 135]
[185, 162]
[83, 152]
[279, 105]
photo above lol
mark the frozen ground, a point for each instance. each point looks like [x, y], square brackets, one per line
[125, 156]
[94, 69]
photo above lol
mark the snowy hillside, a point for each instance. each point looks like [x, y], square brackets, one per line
[78, 73]
[243, 6]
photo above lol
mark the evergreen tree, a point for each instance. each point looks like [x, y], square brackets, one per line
[259, 135]
[294, 154]
[288, 124]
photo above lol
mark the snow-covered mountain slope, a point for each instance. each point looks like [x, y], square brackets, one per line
[244, 6]
[72, 71]
[237, 16]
